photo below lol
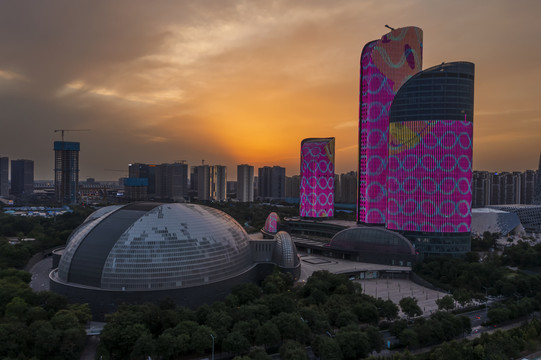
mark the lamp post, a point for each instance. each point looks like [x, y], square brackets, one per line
[212, 336]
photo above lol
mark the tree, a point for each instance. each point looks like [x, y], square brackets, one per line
[446, 303]
[236, 343]
[408, 337]
[293, 350]
[353, 343]
[268, 335]
[409, 307]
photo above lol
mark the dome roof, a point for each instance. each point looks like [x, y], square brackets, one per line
[153, 246]
[372, 239]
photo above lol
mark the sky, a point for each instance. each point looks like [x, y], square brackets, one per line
[243, 82]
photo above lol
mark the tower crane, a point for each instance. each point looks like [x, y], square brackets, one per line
[62, 131]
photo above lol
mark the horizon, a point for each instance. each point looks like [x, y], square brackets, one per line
[233, 82]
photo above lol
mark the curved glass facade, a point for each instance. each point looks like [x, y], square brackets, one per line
[317, 178]
[285, 252]
[156, 247]
[373, 240]
[386, 64]
[430, 158]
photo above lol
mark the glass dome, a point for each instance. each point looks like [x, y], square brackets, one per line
[153, 246]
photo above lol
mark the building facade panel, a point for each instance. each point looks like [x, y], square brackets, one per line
[317, 178]
[386, 64]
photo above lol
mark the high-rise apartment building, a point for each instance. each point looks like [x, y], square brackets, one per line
[172, 181]
[4, 176]
[386, 64]
[346, 188]
[66, 171]
[317, 178]
[218, 175]
[271, 182]
[245, 183]
[537, 192]
[22, 177]
[430, 159]
[211, 182]
[293, 186]
[527, 184]
[144, 171]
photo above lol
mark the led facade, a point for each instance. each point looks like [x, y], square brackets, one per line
[317, 178]
[386, 64]
[430, 159]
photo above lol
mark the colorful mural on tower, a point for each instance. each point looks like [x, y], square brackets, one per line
[317, 178]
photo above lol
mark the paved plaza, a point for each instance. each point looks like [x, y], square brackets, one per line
[387, 289]
[396, 289]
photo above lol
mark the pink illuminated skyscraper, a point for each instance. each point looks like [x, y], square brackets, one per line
[317, 178]
[386, 64]
[430, 159]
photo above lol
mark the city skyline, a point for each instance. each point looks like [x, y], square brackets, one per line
[238, 83]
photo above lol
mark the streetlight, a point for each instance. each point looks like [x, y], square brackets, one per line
[212, 336]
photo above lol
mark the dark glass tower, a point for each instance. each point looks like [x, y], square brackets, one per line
[22, 177]
[430, 159]
[66, 171]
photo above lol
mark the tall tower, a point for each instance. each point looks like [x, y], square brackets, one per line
[537, 195]
[317, 178]
[386, 64]
[245, 183]
[22, 177]
[4, 176]
[430, 159]
[66, 171]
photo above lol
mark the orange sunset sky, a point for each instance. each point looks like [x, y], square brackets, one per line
[235, 82]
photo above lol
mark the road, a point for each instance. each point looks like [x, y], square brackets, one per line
[40, 274]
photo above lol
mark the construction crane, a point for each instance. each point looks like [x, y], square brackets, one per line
[387, 26]
[62, 131]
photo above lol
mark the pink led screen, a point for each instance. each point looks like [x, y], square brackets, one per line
[430, 176]
[271, 224]
[317, 178]
[386, 64]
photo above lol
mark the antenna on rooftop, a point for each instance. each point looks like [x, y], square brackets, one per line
[387, 26]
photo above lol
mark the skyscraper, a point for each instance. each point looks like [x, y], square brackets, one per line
[218, 174]
[537, 195]
[317, 178]
[66, 171]
[22, 177]
[172, 181]
[430, 159]
[211, 182]
[245, 183]
[386, 64]
[4, 176]
[271, 182]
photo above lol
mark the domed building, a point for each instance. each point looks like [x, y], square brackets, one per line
[146, 252]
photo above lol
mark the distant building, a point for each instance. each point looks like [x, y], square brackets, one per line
[293, 186]
[503, 188]
[22, 177]
[219, 183]
[537, 193]
[66, 171]
[135, 189]
[346, 188]
[527, 185]
[271, 182]
[172, 181]
[4, 176]
[211, 182]
[245, 183]
[144, 171]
